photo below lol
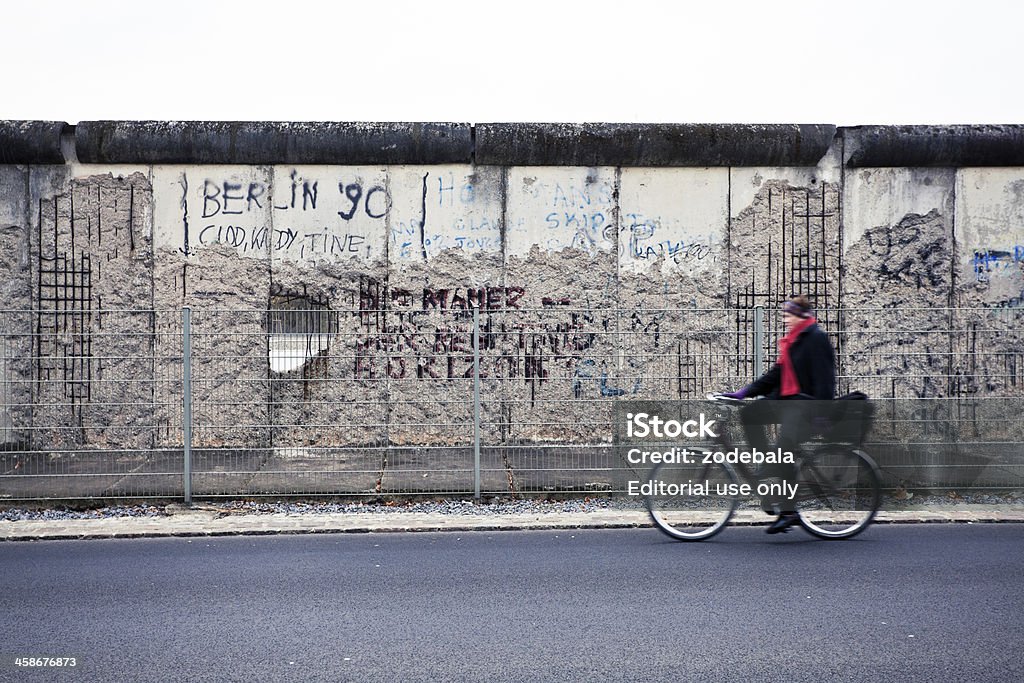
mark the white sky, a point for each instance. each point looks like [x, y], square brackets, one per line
[784, 61]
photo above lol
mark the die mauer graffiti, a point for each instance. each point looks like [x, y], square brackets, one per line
[407, 341]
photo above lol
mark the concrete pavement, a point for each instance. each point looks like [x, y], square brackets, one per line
[211, 519]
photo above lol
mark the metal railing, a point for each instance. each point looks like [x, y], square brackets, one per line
[293, 401]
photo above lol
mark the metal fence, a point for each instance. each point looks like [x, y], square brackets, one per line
[313, 401]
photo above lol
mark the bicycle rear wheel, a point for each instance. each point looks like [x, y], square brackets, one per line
[838, 493]
[686, 503]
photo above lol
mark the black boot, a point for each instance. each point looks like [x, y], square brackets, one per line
[782, 524]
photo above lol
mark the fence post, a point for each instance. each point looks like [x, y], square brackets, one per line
[476, 402]
[758, 341]
[186, 322]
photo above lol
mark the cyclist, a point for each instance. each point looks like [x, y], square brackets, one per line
[804, 374]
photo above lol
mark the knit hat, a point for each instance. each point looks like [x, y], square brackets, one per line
[798, 306]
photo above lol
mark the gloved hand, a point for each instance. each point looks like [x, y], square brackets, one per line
[739, 394]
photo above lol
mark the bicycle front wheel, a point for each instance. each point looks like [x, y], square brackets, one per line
[838, 493]
[691, 502]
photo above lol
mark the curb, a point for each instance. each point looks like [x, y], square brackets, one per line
[208, 523]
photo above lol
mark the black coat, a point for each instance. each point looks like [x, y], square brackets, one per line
[814, 364]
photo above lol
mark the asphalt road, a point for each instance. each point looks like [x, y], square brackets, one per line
[899, 603]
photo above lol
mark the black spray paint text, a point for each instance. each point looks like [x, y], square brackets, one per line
[229, 198]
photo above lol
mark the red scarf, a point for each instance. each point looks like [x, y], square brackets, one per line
[790, 385]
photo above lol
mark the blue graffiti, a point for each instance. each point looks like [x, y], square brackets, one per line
[470, 243]
[1012, 302]
[607, 390]
[991, 260]
[592, 221]
[466, 192]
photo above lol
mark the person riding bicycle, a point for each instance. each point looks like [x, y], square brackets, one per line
[804, 374]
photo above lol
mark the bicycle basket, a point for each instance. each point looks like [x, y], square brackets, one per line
[852, 417]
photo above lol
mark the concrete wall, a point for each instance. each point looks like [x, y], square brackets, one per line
[565, 229]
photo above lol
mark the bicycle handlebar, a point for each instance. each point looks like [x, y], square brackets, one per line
[727, 400]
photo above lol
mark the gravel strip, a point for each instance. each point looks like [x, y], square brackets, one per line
[444, 507]
[59, 514]
[526, 506]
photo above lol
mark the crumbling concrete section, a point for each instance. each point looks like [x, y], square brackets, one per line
[673, 270]
[15, 292]
[989, 276]
[990, 237]
[561, 269]
[445, 260]
[786, 241]
[893, 332]
[212, 236]
[329, 250]
[898, 250]
[91, 257]
[557, 341]
[784, 237]
[15, 272]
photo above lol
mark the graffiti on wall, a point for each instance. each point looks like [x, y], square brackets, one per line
[313, 215]
[648, 241]
[1010, 302]
[454, 211]
[302, 218]
[402, 334]
[575, 210]
[442, 349]
[988, 263]
[329, 215]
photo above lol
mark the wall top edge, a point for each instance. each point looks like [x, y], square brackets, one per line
[508, 144]
[653, 144]
[934, 146]
[268, 142]
[31, 142]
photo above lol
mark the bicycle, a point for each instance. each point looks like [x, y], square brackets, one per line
[837, 487]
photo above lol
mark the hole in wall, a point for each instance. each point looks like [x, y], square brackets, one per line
[300, 328]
